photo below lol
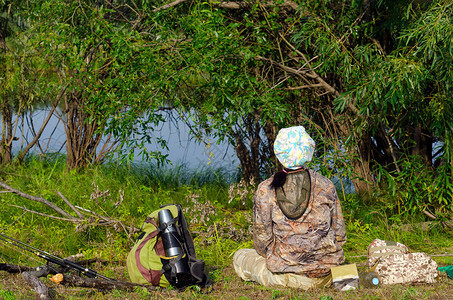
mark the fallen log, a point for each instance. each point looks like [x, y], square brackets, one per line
[97, 283]
[31, 277]
[425, 226]
[14, 269]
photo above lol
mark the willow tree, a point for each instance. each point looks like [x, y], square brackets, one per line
[20, 86]
[97, 67]
[372, 78]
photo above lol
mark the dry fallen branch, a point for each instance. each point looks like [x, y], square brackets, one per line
[13, 269]
[233, 5]
[46, 215]
[31, 277]
[169, 5]
[244, 4]
[84, 219]
[72, 280]
[445, 224]
[37, 199]
[423, 226]
[70, 205]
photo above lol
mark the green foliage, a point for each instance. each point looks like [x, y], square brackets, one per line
[417, 189]
[7, 295]
[102, 69]
[370, 80]
[395, 80]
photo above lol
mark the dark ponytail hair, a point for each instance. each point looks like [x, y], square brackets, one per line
[279, 179]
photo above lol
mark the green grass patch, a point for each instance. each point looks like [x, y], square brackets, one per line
[217, 207]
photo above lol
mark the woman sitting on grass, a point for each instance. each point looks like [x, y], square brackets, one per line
[299, 228]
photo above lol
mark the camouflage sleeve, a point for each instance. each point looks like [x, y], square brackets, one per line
[262, 219]
[338, 225]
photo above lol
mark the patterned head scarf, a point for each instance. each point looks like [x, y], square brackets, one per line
[294, 147]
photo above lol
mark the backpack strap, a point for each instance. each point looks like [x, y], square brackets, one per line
[196, 265]
[152, 276]
[164, 226]
[185, 234]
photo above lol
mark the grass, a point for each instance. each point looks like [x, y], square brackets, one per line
[219, 212]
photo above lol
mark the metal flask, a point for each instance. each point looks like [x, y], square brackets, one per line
[170, 236]
[172, 245]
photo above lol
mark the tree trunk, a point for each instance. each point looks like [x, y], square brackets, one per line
[255, 154]
[271, 133]
[360, 153]
[423, 146]
[7, 132]
[5, 110]
[82, 140]
[363, 180]
[244, 156]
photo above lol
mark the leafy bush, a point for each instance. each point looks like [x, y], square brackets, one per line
[416, 189]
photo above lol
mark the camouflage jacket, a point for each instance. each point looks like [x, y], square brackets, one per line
[309, 245]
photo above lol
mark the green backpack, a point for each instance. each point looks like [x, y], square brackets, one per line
[148, 263]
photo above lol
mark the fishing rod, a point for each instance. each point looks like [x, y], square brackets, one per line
[52, 258]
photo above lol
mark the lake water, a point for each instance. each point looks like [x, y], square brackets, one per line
[182, 148]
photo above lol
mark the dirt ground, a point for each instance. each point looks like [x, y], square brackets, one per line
[229, 286]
